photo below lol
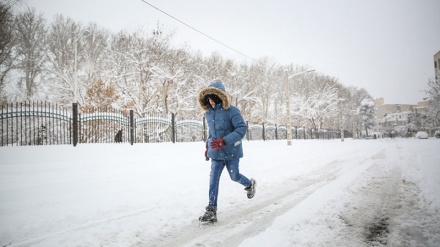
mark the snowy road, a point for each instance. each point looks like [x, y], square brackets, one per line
[246, 222]
[384, 210]
[314, 193]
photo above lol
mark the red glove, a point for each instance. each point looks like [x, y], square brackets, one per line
[218, 144]
[206, 154]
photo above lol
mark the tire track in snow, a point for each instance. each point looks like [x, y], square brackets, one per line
[247, 221]
[368, 217]
[388, 209]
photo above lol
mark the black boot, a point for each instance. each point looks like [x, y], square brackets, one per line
[210, 214]
[251, 189]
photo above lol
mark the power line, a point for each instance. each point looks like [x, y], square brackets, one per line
[202, 33]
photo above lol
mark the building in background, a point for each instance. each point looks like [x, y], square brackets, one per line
[405, 118]
[402, 118]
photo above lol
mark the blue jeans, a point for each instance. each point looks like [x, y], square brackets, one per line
[214, 178]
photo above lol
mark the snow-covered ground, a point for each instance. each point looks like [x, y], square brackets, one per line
[313, 193]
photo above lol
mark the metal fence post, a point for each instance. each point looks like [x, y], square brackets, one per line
[131, 127]
[2, 125]
[264, 133]
[173, 128]
[75, 123]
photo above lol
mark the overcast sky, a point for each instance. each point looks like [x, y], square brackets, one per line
[384, 46]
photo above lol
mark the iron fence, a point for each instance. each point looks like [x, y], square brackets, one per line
[103, 125]
[34, 123]
[43, 123]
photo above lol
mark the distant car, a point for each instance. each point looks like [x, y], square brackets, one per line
[422, 135]
[437, 134]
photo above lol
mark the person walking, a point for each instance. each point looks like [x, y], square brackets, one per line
[224, 145]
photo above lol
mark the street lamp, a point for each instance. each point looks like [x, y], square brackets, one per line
[75, 93]
[289, 117]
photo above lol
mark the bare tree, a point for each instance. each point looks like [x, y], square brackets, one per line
[137, 61]
[253, 86]
[61, 74]
[91, 68]
[367, 113]
[264, 83]
[243, 91]
[433, 96]
[29, 47]
[6, 42]
[324, 102]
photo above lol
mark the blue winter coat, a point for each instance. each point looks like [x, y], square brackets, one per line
[224, 121]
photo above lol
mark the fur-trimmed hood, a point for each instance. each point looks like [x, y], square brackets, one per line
[218, 89]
